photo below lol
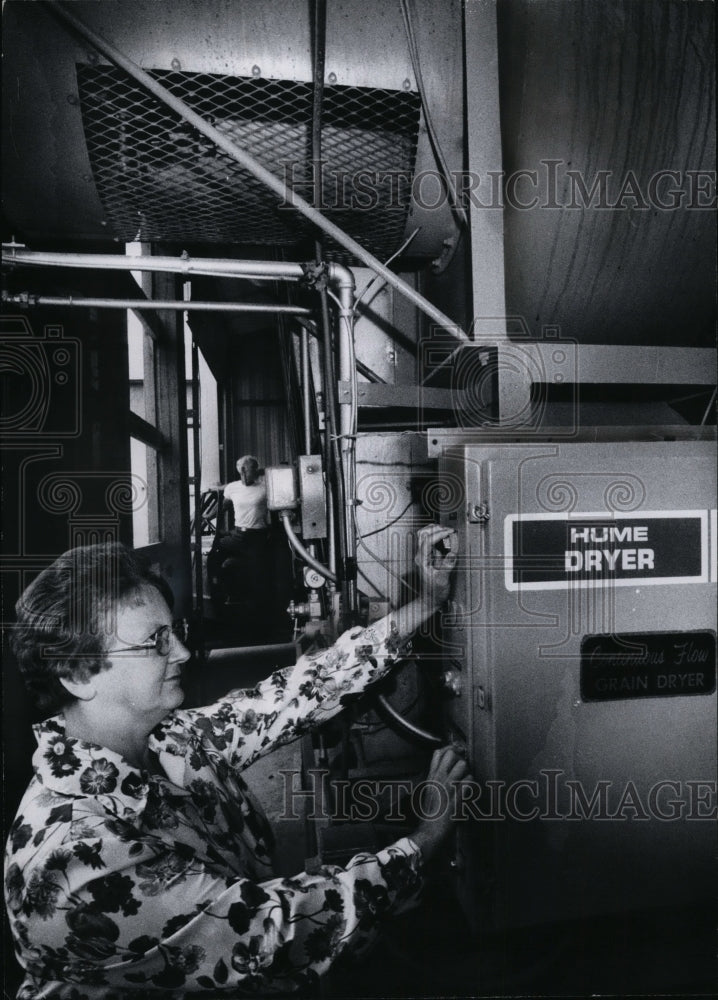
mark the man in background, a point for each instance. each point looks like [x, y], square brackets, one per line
[248, 497]
[245, 552]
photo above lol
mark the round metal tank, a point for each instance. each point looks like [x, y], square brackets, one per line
[616, 93]
[89, 154]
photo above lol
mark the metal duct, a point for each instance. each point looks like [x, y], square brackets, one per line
[159, 179]
[90, 154]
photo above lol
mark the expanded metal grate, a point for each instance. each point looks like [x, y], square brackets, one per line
[160, 179]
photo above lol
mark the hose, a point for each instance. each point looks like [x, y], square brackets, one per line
[302, 552]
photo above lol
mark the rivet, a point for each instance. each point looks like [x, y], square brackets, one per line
[92, 57]
[407, 84]
[256, 71]
[176, 64]
[332, 78]
[73, 99]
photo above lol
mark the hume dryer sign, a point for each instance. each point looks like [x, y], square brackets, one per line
[557, 551]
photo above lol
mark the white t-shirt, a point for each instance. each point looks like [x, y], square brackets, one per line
[249, 502]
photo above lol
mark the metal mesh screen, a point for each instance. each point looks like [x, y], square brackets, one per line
[160, 179]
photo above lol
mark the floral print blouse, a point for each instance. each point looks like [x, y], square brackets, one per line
[124, 882]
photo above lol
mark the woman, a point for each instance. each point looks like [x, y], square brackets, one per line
[138, 861]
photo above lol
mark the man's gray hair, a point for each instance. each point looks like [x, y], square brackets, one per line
[246, 460]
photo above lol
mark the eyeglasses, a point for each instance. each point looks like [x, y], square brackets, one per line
[160, 640]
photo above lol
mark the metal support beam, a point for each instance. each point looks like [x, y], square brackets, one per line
[415, 396]
[487, 224]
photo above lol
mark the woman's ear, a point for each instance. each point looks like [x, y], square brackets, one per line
[84, 690]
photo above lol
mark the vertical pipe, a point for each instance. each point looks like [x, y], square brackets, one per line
[333, 459]
[342, 280]
[197, 469]
[306, 390]
[334, 467]
[347, 449]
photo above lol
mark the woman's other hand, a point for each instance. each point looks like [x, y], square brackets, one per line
[435, 558]
[439, 798]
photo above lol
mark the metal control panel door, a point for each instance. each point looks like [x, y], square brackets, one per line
[582, 657]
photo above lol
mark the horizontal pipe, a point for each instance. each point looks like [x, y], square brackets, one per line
[283, 191]
[268, 270]
[28, 299]
[236, 653]
[304, 553]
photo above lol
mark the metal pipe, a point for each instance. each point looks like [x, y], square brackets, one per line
[282, 650]
[28, 299]
[369, 373]
[363, 369]
[268, 270]
[331, 530]
[282, 190]
[347, 449]
[342, 280]
[306, 390]
[332, 453]
[409, 727]
[340, 277]
[301, 551]
[197, 472]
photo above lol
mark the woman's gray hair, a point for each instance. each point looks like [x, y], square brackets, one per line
[60, 629]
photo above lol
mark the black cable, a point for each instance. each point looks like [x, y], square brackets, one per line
[378, 531]
[455, 205]
[320, 52]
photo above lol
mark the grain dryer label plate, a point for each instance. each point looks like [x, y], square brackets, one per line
[557, 551]
[647, 665]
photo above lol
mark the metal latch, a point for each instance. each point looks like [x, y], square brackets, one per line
[478, 513]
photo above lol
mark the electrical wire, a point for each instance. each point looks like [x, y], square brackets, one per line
[711, 401]
[378, 531]
[378, 281]
[685, 399]
[371, 583]
[378, 559]
[375, 727]
[435, 144]
[407, 727]
[302, 552]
